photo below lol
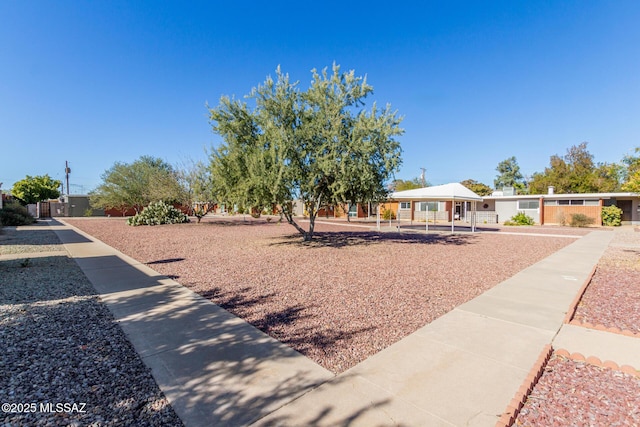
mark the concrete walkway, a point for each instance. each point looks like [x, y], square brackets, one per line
[462, 369]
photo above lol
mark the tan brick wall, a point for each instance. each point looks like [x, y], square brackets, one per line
[552, 214]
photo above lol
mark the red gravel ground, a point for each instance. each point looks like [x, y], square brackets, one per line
[339, 299]
[612, 299]
[571, 393]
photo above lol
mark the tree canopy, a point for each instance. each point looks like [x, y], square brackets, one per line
[576, 172]
[136, 185]
[34, 189]
[401, 185]
[477, 187]
[632, 172]
[509, 175]
[319, 146]
[197, 188]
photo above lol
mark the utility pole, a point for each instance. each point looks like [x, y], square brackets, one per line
[67, 171]
[422, 178]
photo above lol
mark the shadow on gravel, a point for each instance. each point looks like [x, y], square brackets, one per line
[32, 236]
[165, 261]
[237, 222]
[344, 239]
[235, 301]
[274, 323]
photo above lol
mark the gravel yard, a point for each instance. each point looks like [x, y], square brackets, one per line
[612, 299]
[339, 299]
[580, 394]
[61, 346]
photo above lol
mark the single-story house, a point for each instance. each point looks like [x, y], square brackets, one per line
[444, 202]
[557, 209]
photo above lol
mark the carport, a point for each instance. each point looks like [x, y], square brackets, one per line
[453, 192]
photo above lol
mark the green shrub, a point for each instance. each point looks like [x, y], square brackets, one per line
[520, 219]
[612, 216]
[388, 214]
[14, 213]
[581, 220]
[158, 213]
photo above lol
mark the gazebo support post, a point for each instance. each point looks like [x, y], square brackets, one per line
[426, 217]
[453, 213]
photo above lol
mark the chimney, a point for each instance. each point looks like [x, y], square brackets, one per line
[551, 189]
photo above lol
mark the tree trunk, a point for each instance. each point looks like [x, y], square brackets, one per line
[312, 222]
[289, 216]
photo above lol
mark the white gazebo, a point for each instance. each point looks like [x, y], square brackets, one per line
[453, 192]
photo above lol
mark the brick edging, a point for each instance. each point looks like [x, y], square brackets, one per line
[513, 409]
[508, 418]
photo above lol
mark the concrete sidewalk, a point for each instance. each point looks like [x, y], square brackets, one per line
[461, 369]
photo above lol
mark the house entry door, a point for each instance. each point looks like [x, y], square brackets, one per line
[625, 205]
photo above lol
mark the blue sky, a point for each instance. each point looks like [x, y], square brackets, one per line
[96, 82]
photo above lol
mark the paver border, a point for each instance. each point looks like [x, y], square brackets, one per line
[508, 418]
[517, 402]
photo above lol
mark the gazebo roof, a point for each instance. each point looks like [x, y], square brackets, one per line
[453, 191]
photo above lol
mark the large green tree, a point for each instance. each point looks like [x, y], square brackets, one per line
[576, 172]
[136, 185]
[631, 172]
[34, 189]
[319, 145]
[477, 187]
[509, 175]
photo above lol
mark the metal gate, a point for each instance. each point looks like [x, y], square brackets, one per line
[44, 210]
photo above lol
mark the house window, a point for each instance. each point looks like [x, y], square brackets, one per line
[405, 205]
[580, 202]
[528, 204]
[424, 206]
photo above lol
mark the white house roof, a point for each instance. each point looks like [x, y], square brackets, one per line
[452, 191]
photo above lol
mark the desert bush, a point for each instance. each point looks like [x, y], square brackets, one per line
[388, 214]
[561, 218]
[158, 213]
[520, 219]
[611, 216]
[581, 220]
[14, 213]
